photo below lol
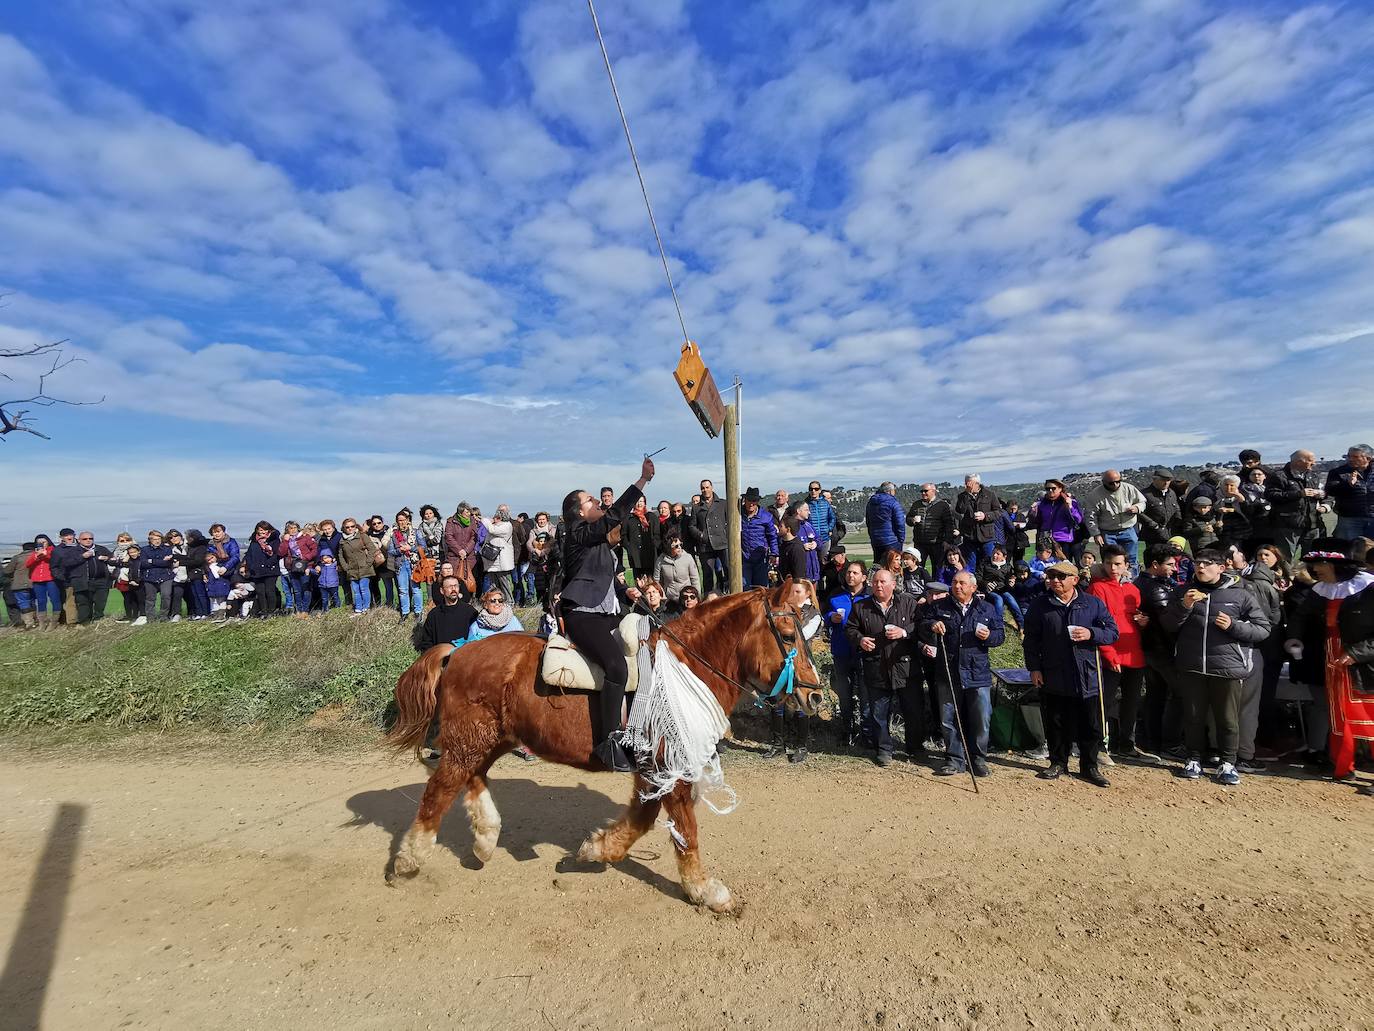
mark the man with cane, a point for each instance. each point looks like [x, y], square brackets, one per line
[1064, 628]
[965, 628]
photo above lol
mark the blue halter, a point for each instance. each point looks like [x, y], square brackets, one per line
[786, 682]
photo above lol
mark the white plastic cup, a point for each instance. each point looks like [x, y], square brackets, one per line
[981, 626]
[1072, 628]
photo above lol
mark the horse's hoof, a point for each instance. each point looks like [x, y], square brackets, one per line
[483, 850]
[404, 867]
[590, 852]
[717, 897]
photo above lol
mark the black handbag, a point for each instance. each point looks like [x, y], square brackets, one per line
[491, 551]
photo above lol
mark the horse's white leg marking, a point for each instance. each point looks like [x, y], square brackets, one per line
[416, 848]
[700, 889]
[486, 823]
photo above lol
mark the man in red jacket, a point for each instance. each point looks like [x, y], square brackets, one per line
[1123, 660]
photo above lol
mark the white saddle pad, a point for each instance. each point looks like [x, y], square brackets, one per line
[567, 669]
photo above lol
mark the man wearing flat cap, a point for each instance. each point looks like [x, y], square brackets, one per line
[1064, 628]
[1162, 517]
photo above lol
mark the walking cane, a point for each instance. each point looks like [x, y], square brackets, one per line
[958, 719]
[1101, 699]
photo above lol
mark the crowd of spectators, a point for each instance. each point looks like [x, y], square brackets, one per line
[1157, 618]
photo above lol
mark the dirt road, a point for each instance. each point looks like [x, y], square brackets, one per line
[231, 895]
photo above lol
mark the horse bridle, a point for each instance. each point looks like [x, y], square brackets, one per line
[786, 680]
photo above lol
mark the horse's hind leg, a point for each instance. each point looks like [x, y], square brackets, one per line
[700, 889]
[443, 787]
[610, 844]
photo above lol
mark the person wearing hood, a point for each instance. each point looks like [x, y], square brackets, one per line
[327, 578]
[1331, 639]
[1217, 623]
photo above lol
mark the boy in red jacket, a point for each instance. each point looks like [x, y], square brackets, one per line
[1123, 661]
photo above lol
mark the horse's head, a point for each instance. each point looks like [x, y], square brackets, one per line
[776, 651]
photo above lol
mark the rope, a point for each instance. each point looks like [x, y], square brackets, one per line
[653, 223]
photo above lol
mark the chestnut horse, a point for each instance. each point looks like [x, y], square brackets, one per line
[490, 698]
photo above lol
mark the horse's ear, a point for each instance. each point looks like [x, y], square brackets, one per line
[780, 594]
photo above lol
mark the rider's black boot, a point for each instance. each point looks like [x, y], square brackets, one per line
[775, 742]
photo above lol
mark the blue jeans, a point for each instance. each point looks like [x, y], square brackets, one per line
[362, 595]
[412, 595]
[300, 590]
[24, 599]
[1350, 527]
[755, 572]
[288, 596]
[1002, 602]
[524, 584]
[46, 593]
[329, 598]
[972, 552]
[1129, 542]
[975, 709]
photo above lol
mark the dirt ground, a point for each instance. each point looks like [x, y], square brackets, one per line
[226, 894]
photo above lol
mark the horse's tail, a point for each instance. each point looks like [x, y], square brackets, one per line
[416, 699]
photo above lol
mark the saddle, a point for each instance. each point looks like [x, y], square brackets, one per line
[565, 668]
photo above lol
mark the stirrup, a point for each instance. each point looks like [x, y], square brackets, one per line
[613, 757]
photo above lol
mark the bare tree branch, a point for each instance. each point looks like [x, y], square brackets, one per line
[14, 421]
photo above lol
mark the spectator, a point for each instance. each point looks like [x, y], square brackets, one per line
[1258, 579]
[976, 508]
[358, 556]
[86, 571]
[524, 585]
[330, 537]
[677, 570]
[832, 574]
[222, 558]
[1163, 703]
[640, 540]
[495, 617]
[263, 564]
[822, 520]
[682, 526]
[995, 578]
[498, 553]
[436, 589]
[932, 522]
[1013, 524]
[180, 589]
[1206, 487]
[431, 531]
[1044, 558]
[1113, 509]
[541, 544]
[1350, 487]
[460, 546]
[403, 549]
[880, 629]
[195, 562]
[806, 533]
[451, 619]
[383, 584]
[711, 535]
[1200, 527]
[912, 580]
[328, 579]
[1124, 659]
[1249, 459]
[846, 675]
[1026, 588]
[155, 573]
[758, 541]
[791, 551]
[1218, 623]
[1295, 499]
[688, 599]
[781, 504]
[954, 563]
[47, 599]
[1163, 515]
[1261, 522]
[133, 586]
[1064, 629]
[1056, 517]
[298, 552]
[119, 568]
[883, 516]
[1234, 513]
[967, 628]
[20, 587]
[66, 537]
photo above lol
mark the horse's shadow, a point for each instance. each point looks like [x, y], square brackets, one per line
[531, 814]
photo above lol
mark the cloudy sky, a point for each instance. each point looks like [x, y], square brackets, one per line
[340, 255]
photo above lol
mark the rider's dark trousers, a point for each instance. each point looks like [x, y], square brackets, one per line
[597, 635]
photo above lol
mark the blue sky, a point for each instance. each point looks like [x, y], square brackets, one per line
[339, 256]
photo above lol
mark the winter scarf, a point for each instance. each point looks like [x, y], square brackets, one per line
[433, 531]
[497, 622]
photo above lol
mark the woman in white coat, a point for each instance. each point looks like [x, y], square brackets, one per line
[498, 552]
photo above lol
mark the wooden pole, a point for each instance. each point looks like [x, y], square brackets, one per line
[734, 553]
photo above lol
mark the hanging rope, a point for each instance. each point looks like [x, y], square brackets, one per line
[653, 223]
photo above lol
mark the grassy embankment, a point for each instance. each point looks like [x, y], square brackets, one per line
[326, 679]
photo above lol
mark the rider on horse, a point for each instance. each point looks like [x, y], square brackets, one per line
[590, 603]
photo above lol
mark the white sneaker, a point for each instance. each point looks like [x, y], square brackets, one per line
[176, 618]
[1228, 775]
[1192, 769]
[141, 621]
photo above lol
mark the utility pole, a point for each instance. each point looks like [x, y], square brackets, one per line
[734, 552]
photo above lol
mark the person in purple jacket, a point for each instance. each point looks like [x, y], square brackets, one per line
[758, 541]
[1057, 517]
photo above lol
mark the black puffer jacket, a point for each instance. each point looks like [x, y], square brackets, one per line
[1202, 646]
[1156, 594]
[932, 525]
[995, 580]
[1162, 516]
[1292, 508]
[1356, 621]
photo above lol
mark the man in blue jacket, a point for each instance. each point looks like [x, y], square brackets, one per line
[758, 541]
[1064, 628]
[846, 675]
[886, 522]
[966, 627]
[822, 520]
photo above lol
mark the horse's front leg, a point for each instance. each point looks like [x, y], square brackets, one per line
[610, 844]
[702, 890]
